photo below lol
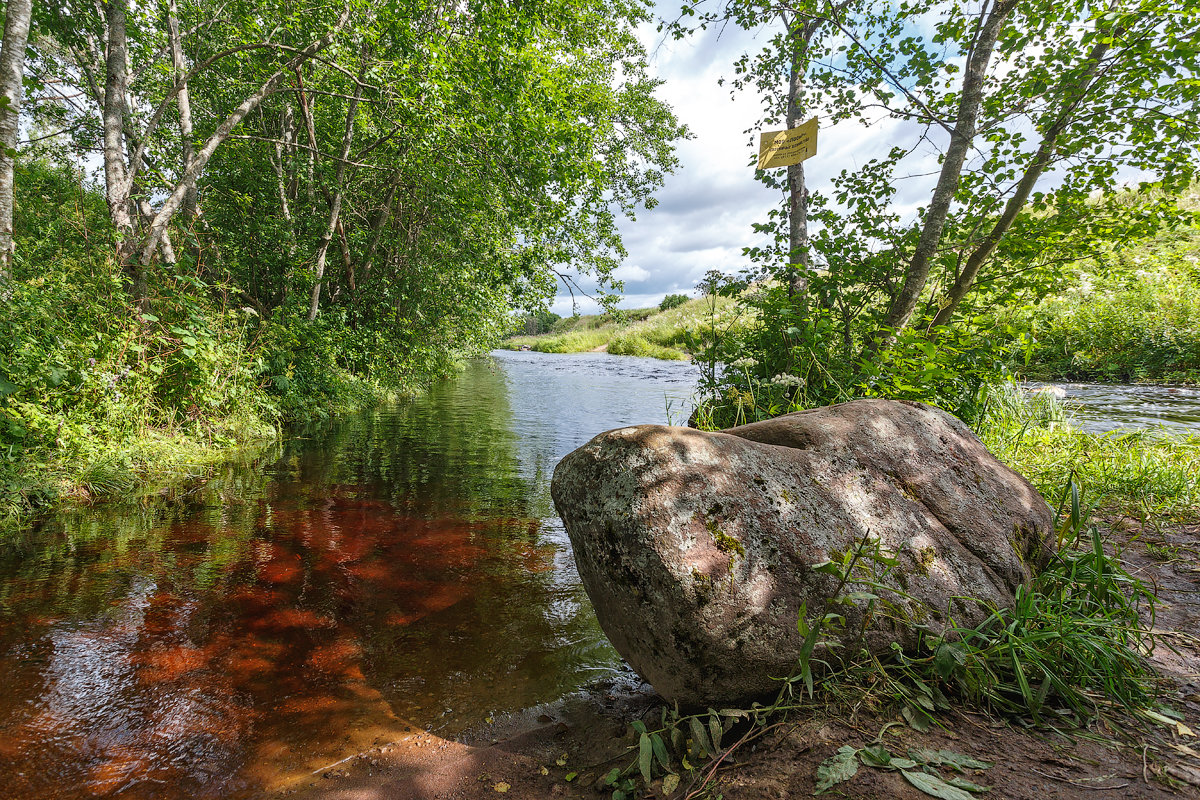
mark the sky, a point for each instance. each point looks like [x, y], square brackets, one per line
[706, 208]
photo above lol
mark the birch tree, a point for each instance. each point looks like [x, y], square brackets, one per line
[17, 16]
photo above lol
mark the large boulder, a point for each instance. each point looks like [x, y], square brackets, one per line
[697, 549]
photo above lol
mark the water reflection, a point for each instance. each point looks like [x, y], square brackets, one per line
[404, 565]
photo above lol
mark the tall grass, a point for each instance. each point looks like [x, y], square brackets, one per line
[1147, 473]
[1132, 314]
[580, 341]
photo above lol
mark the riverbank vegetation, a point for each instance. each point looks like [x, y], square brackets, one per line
[855, 296]
[684, 327]
[1130, 313]
[1030, 252]
[300, 210]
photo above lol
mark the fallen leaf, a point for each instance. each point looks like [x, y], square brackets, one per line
[561, 760]
[1183, 748]
[670, 784]
[545, 771]
[934, 786]
[570, 776]
[1180, 728]
[502, 787]
[838, 768]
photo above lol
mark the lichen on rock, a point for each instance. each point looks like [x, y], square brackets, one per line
[697, 548]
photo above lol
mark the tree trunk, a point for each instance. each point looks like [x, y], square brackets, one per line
[917, 272]
[799, 259]
[1045, 153]
[335, 206]
[12, 73]
[116, 174]
[183, 100]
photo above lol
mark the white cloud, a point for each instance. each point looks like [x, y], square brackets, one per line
[630, 273]
[706, 210]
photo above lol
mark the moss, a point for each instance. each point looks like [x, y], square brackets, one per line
[702, 585]
[725, 542]
[924, 559]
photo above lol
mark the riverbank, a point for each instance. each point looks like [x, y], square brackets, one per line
[674, 334]
[565, 749]
[104, 459]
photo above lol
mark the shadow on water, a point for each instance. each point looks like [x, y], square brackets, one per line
[403, 568]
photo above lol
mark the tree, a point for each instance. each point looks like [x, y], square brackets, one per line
[1028, 112]
[17, 16]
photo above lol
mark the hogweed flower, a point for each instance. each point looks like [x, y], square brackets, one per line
[788, 380]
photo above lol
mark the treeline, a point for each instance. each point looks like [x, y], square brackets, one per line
[261, 211]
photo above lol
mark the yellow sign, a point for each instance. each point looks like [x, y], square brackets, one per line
[784, 148]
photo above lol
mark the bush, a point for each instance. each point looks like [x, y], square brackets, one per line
[672, 301]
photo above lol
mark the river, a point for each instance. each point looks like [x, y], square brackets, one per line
[397, 569]
[400, 568]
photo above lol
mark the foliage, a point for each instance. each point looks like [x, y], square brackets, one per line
[672, 301]
[95, 401]
[1032, 138]
[339, 228]
[1130, 314]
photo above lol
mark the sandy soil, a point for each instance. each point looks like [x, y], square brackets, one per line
[530, 755]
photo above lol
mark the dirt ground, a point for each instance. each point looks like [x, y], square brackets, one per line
[532, 754]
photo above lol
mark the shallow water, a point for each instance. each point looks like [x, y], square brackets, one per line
[401, 568]
[1099, 407]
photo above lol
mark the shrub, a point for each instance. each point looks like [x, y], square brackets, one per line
[672, 301]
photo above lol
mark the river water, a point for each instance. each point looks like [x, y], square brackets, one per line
[401, 568]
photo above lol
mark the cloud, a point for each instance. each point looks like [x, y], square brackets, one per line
[630, 273]
[706, 210]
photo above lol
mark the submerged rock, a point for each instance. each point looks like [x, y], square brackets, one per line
[697, 549]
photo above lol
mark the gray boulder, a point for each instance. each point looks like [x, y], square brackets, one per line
[697, 549]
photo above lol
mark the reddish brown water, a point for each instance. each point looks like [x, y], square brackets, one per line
[401, 569]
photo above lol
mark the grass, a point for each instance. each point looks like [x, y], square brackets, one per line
[580, 341]
[670, 335]
[1148, 474]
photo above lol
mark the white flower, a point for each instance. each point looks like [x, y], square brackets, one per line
[746, 362]
[788, 380]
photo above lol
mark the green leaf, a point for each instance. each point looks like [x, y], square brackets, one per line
[934, 786]
[570, 776]
[8, 387]
[700, 737]
[714, 729]
[613, 776]
[801, 622]
[645, 757]
[838, 768]
[963, 783]
[875, 756]
[948, 758]
[660, 751]
[917, 720]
